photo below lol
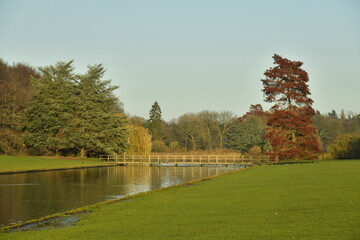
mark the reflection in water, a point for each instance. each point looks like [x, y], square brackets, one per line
[27, 196]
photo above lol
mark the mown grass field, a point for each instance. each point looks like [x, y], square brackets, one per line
[23, 163]
[302, 201]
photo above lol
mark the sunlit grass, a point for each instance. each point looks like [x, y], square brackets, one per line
[304, 201]
[22, 163]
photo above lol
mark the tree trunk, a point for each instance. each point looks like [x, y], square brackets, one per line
[82, 153]
[193, 143]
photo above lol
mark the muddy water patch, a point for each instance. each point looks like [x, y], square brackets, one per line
[51, 223]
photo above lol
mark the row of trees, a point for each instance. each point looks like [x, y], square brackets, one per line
[55, 110]
[207, 130]
[246, 134]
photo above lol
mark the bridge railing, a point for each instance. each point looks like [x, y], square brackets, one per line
[190, 159]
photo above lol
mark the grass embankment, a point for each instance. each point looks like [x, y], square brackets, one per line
[27, 163]
[306, 201]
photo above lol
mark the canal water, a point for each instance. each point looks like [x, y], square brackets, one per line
[27, 196]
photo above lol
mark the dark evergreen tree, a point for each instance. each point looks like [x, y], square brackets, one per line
[51, 109]
[333, 114]
[155, 123]
[98, 125]
[246, 134]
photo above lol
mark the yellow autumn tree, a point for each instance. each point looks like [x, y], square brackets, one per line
[139, 140]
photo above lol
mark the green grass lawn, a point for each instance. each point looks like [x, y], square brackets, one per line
[22, 163]
[304, 201]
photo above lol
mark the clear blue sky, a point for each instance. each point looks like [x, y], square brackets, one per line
[192, 55]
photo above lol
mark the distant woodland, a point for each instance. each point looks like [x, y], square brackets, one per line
[54, 110]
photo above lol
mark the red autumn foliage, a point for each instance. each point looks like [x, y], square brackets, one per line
[290, 131]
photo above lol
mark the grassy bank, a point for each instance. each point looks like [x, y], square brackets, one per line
[305, 201]
[24, 163]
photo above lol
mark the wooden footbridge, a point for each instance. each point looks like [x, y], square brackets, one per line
[186, 160]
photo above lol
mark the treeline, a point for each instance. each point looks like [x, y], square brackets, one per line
[207, 131]
[220, 131]
[56, 111]
[339, 134]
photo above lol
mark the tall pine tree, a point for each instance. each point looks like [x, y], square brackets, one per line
[155, 123]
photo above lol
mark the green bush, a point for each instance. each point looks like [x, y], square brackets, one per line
[347, 146]
[159, 146]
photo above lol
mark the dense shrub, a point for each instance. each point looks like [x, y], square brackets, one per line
[346, 146]
[159, 146]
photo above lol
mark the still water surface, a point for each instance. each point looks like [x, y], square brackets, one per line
[26, 196]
